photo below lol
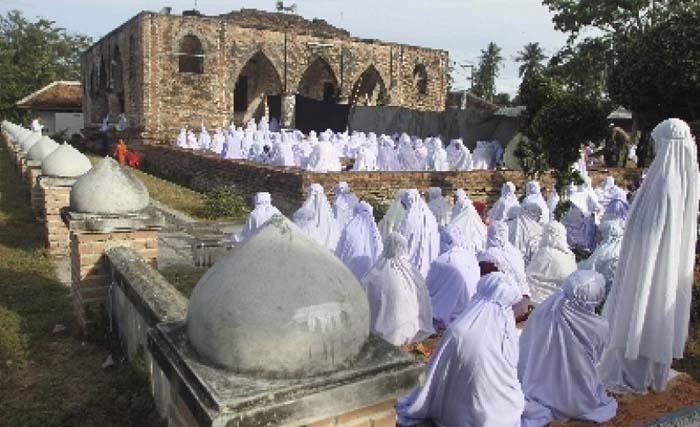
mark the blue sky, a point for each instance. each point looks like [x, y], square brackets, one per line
[462, 27]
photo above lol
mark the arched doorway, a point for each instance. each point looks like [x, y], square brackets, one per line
[317, 96]
[258, 90]
[369, 89]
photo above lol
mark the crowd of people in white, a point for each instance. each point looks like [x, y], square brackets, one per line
[266, 143]
[441, 266]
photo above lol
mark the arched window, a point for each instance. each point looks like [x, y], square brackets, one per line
[191, 55]
[420, 79]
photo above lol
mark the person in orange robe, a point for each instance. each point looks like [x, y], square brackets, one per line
[121, 151]
[134, 159]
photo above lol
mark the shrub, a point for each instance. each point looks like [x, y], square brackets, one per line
[378, 206]
[13, 346]
[222, 202]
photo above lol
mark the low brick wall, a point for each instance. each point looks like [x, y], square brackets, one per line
[203, 172]
[55, 195]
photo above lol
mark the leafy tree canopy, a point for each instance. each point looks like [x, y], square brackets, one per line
[531, 59]
[489, 67]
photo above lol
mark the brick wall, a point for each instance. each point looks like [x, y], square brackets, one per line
[203, 172]
[90, 277]
[54, 198]
[31, 174]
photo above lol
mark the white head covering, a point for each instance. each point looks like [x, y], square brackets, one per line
[506, 257]
[360, 243]
[655, 269]
[560, 347]
[420, 229]
[534, 195]
[528, 230]
[439, 206]
[262, 212]
[393, 216]
[604, 259]
[399, 302]
[344, 204]
[506, 208]
[316, 218]
[552, 202]
[553, 262]
[467, 219]
[452, 277]
[471, 379]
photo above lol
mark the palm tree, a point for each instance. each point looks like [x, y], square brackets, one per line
[489, 66]
[531, 58]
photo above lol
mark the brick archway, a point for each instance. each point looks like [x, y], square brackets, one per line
[369, 89]
[257, 89]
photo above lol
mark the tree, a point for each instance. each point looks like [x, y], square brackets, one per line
[489, 66]
[32, 55]
[531, 59]
[583, 68]
[502, 99]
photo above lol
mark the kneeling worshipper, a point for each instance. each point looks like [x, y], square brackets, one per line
[468, 221]
[580, 219]
[527, 231]
[323, 157]
[262, 212]
[393, 216]
[608, 191]
[420, 230]
[552, 263]
[617, 208]
[472, 379]
[534, 195]
[360, 243]
[649, 304]
[399, 303]
[506, 207]
[559, 350]
[452, 278]
[605, 257]
[344, 204]
[315, 217]
[439, 206]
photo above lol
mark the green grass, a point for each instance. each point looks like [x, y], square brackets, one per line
[60, 381]
[183, 278]
[175, 196]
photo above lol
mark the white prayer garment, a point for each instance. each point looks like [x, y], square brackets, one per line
[315, 217]
[181, 138]
[344, 204]
[121, 122]
[467, 219]
[655, 269]
[507, 206]
[406, 157]
[204, 140]
[262, 212]
[360, 243]
[462, 158]
[560, 347]
[471, 379]
[439, 206]
[387, 157]
[605, 257]
[393, 216]
[452, 278]
[534, 195]
[527, 232]
[217, 142]
[552, 263]
[420, 229]
[608, 191]
[365, 159]
[438, 159]
[323, 157]
[192, 140]
[104, 127]
[504, 256]
[483, 157]
[399, 303]
[617, 207]
[552, 202]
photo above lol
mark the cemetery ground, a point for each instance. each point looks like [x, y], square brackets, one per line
[51, 376]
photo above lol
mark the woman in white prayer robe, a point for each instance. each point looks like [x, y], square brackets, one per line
[552, 202]
[344, 204]
[406, 156]
[560, 347]
[360, 243]
[439, 206]
[617, 207]
[528, 230]
[365, 160]
[263, 211]
[467, 219]
[506, 207]
[452, 278]
[217, 142]
[471, 379]
[462, 158]
[182, 138]
[393, 216]
[323, 157]
[399, 303]
[504, 256]
[605, 257]
[387, 157]
[315, 217]
[283, 152]
[438, 159]
[420, 229]
[204, 141]
[192, 143]
[608, 191]
[534, 195]
[552, 263]
[655, 269]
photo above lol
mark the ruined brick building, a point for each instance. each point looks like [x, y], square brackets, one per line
[165, 71]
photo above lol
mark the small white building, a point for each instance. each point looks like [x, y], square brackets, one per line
[58, 107]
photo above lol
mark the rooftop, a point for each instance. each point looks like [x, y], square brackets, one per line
[57, 96]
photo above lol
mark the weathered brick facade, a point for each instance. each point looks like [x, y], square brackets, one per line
[55, 195]
[166, 71]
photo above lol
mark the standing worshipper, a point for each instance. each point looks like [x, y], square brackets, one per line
[120, 151]
[452, 278]
[534, 195]
[182, 138]
[462, 158]
[263, 211]
[471, 378]
[552, 263]
[605, 257]
[217, 142]
[323, 157]
[527, 232]
[439, 206]
[468, 221]
[649, 304]
[560, 347]
[315, 217]
[360, 243]
[344, 204]
[192, 143]
[437, 159]
[420, 229]
[399, 303]
[204, 140]
[393, 216]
